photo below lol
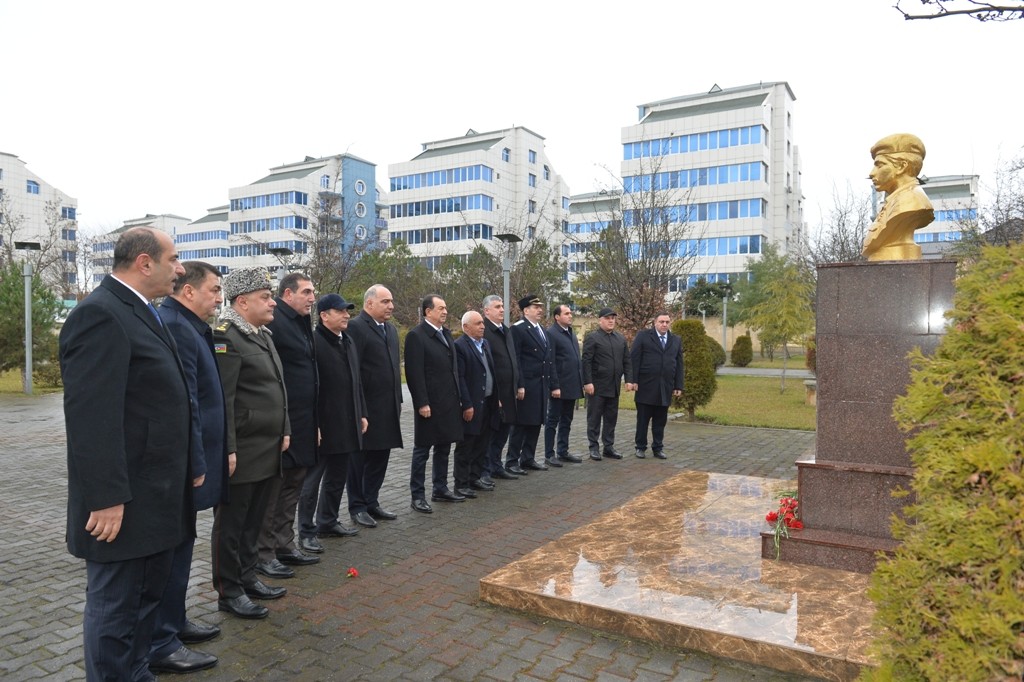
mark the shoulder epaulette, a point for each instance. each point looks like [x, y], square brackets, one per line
[223, 326]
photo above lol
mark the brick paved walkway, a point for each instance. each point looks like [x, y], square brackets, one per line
[414, 612]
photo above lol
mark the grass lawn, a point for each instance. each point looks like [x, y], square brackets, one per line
[795, 362]
[753, 401]
[11, 382]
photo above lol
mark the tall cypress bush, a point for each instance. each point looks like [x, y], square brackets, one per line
[699, 367]
[742, 351]
[951, 600]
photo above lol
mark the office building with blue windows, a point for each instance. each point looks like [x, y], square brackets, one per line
[36, 217]
[207, 239]
[102, 256]
[723, 165]
[461, 192]
[273, 221]
[955, 202]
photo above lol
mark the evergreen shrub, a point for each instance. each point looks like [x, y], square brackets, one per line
[699, 367]
[742, 351]
[716, 350]
[951, 599]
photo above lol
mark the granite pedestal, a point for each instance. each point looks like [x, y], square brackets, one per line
[869, 317]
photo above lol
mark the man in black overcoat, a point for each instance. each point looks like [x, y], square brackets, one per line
[128, 415]
[540, 381]
[570, 384]
[196, 297]
[342, 418]
[605, 363]
[431, 373]
[508, 383]
[657, 362]
[479, 405]
[293, 339]
[375, 339]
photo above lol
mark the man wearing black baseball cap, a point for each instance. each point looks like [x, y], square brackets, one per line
[605, 363]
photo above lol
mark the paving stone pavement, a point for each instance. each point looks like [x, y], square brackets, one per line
[413, 613]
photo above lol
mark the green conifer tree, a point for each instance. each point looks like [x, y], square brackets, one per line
[699, 367]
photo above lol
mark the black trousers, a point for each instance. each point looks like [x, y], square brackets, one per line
[366, 472]
[121, 600]
[439, 469]
[320, 499]
[278, 532]
[170, 614]
[235, 537]
[471, 453]
[600, 411]
[556, 431]
[522, 444]
[657, 417]
[499, 437]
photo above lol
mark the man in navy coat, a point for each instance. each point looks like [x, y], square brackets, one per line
[127, 413]
[656, 359]
[570, 380]
[197, 294]
[479, 395]
[540, 381]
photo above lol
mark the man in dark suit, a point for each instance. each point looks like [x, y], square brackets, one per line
[197, 294]
[570, 383]
[479, 405]
[127, 414]
[605, 363]
[342, 418]
[293, 338]
[540, 381]
[376, 342]
[431, 372]
[657, 362]
[258, 433]
[507, 382]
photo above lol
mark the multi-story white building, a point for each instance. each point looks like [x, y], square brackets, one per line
[723, 163]
[102, 258]
[42, 220]
[206, 239]
[270, 220]
[955, 202]
[464, 191]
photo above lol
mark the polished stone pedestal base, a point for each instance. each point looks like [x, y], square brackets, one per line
[681, 565]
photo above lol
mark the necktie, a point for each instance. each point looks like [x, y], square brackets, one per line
[383, 330]
[540, 333]
[152, 309]
[440, 335]
[663, 340]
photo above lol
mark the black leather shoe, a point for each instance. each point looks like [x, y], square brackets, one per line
[297, 558]
[534, 465]
[184, 660]
[311, 545]
[466, 492]
[641, 453]
[420, 505]
[378, 513]
[612, 454]
[338, 531]
[274, 569]
[194, 633]
[486, 480]
[446, 496]
[514, 469]
[659, 454]
[572, 459]
[242, 607]
[364, 519]
[481, 484]
[258, 590]
[552, 462]
[504, 475]
[595, 455]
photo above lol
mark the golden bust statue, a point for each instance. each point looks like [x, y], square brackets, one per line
[898, 161]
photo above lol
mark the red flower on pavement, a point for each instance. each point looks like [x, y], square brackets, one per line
[784, 519]
[353, 573]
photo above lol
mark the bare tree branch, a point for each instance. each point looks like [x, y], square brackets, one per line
[982, 11]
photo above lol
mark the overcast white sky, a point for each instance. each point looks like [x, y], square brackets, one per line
[135, 108]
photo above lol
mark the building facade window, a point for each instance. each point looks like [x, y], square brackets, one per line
[506, 154]
[692, 213]
[360, 187]
[449, 176]
[697, 177]
[683, 144]
[547, 173]
[32, 187]
[442, 234]
[531, 180]
[477, 202]
[532, 156]
[360, 210]
[68, 212]
[533, 206]
[325, 182]
[264, 200]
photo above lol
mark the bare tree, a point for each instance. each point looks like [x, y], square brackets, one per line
[839, 238]
[982, 11]
[55, 258]
[643, 248]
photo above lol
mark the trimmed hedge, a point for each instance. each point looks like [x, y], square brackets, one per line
[742, 351]
[699, 367]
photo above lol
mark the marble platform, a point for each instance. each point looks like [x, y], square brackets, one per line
[681, 565]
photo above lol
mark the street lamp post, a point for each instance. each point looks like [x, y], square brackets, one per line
[726, 291]
[508, 258]
[26, 273]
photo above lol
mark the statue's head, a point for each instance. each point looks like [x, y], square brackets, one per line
[898, 160]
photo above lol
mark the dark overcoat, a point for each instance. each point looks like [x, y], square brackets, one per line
[606, 362]
[255, 400]
[473, 383]
[380, 371]
[506, 368]
[432, 375]
[341, 403]
[537, 369]
[567, 361]
[127, 414]
[194, 339]
[293, 340]
[657, 371]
